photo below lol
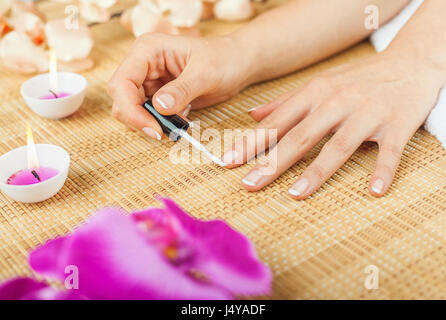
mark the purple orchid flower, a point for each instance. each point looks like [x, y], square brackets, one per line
[31, 289]
[159, 253]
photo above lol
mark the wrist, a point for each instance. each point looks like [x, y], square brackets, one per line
[246, 57]
[421, 60]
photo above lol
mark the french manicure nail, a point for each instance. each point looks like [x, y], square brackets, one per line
[252, 178]
[229, 156]
[165, 100]
[378, 186]
[299, 188]
[151, 133]
[253, 109]
[186, 111]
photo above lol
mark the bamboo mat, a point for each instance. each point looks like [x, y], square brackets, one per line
[316, 248]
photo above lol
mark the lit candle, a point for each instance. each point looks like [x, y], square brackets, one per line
[34, 173]
[53, 79]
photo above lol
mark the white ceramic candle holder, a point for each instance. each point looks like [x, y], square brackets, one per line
[49, 156]
[37, 87]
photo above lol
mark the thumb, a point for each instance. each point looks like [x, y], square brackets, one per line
[176, 95]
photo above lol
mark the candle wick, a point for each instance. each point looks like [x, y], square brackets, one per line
[35, 175]
[53, 93]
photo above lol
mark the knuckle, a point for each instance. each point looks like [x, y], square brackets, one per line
[340, 143]
[317, 171]
[302, 139]
[378, 112]
[393, 150]
[345, 92]
[269, 122]
[317, 83]
[183, 88]
[385, 169]
[143, 38]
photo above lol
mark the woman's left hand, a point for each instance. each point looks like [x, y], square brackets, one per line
[384, 99]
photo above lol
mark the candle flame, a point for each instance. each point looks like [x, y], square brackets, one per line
[33, 161]
[53, 81]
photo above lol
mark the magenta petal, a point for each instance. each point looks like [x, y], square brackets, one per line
[225, 256]
[116, 262]
[31, 289]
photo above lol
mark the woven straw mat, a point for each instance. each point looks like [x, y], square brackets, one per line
[317, 248]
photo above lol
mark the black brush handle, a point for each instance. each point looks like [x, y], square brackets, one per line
[169, 124]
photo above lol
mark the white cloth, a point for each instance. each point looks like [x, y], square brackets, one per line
[381, 38]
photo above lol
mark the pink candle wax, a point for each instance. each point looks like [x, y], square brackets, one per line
[31, 176]
[51, 96]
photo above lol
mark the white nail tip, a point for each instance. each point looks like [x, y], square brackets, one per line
[294, 192]
[248, 183]
[251, 110]
[161, 102]
[150, 132]
[158, 136]
[378, 186]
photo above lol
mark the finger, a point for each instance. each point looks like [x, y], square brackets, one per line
[127, 92]
[293, 146]
[131, 74]
[175, 95]
[390, 151]
[275, 126]
[261, 112]
[134, 115]
[332, 156]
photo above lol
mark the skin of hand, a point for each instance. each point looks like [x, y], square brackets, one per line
[384, 99]
[176, 72]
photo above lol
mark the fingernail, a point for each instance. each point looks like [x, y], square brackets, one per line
[229, 156]
[165, 100]
[378, 186]
[186, 111]
[151, 133]
[299, 188]
[252, 178]
[253, 109]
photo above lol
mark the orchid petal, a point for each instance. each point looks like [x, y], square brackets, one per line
[31, 289]
[69, 45]
[115, 262]
[234, 10]
[225, 256]
[30, 24]
[126, 19]
[145, 20]
[182, 13]
[20, 54]
[101, 3]
[93, 12]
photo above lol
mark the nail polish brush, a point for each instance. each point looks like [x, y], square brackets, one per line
[176, 127]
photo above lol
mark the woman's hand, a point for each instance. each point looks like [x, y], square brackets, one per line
[384, 99]
[174, 71]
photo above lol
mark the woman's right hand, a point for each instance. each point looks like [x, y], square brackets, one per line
[176, 72]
